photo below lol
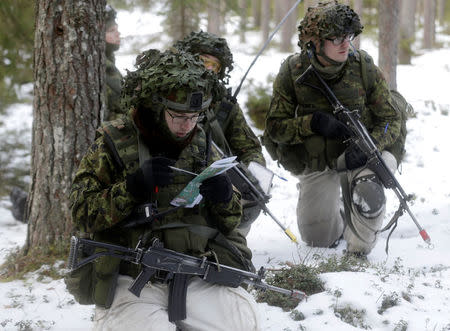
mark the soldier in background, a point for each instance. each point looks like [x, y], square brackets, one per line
[113, 75]
[303, 134]
[225, 120]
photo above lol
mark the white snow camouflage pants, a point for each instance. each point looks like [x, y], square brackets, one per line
[208, 307]
[319, 209]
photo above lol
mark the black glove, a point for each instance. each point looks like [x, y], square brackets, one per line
[354, 158]
[154, 172]
[328, 126]
[217, 189]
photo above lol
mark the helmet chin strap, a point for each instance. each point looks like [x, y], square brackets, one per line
[322, 54]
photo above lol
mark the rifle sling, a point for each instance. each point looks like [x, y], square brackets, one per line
[212, 234]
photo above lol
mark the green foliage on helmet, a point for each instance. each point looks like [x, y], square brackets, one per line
[110, 16]
[326, 20]
[208, 43]
[171, 76]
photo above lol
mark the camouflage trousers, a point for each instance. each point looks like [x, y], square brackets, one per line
[208, 307]
[351, 204]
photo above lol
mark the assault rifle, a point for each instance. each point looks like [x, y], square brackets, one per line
[177, 267]
[362, 139]
[258, 196]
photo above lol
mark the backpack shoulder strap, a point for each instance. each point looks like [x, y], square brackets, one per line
[367, 78]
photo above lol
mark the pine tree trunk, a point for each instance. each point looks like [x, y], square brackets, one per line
[214, 17]
[358, 8]
[441, 11]
[429, 26]
[243, 4]
[289, 27]
[407, 30]
[256, 13]
[69, 64]
[278, 11]
[265, 20]
[389, 11]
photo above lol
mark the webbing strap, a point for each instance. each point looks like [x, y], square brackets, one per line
[211, 234]
[217, 131]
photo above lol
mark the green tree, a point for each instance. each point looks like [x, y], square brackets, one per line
[16, 48]
[182, 17]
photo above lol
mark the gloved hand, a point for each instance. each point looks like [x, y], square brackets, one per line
[354, 157]
[154, 172]
[328, 126]
[217, 189]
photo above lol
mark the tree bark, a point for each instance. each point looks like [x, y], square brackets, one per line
[358, 8]
[289, 27]
[214, 17]
[256, 13]
[265, 20]
[243, 4]
[441, 11]
[278, 11]
[407, 30]
[389, 11]
[69, 75]
[429, 25]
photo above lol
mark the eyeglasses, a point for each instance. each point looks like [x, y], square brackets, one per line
[339, 40]
[180, 120]
[210, 64]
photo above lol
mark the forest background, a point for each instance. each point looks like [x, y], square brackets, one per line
[410, 27]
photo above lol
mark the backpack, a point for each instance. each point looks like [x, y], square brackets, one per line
[401, 106]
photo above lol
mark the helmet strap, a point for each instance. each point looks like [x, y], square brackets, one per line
[322, 54]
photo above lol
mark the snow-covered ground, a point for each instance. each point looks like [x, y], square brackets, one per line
[415, 276]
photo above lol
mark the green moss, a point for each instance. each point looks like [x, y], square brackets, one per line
[18, 264]
[300, 277]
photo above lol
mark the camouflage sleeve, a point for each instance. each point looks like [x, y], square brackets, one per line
[243, 142]
[225, 216]
[98, 196]
[282, 124]
[385, 118]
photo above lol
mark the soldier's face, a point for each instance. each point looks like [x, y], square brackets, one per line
[211, 62]
[180, 124]
[337, 53]
[112, 35]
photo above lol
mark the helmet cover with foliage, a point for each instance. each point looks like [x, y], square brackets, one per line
[174, 79]
[110, 16]
[327, 20]
[208, 43]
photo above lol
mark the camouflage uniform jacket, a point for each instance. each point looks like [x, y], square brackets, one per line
[113, 89]
[101, 204]
[240, 138]
[292, 105]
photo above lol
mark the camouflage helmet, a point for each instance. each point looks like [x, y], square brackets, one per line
[110, 16]
[326, 20]
[176, 80]
[208, 43]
